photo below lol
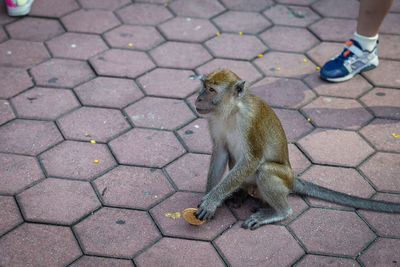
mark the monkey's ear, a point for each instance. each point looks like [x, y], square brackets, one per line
[239, 89]
[197, 77]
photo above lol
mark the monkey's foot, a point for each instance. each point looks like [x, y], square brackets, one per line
[265, 216]
[237, 198]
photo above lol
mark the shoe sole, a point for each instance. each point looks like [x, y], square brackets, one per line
[20, 11]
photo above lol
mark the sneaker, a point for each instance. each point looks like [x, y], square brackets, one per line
[18, 7]
[351, 61]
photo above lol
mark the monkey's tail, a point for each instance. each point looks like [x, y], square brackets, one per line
[309, 189]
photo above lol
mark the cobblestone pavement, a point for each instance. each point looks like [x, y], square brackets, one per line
[115, 71]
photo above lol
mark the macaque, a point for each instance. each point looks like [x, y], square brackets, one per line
[249, 138]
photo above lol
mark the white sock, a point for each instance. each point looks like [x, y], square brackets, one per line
[367, 43]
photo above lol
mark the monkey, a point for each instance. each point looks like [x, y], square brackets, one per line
[248, 137]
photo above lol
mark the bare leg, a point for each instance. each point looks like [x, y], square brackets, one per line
[371, 15]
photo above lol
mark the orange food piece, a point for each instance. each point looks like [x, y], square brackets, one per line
[188, 215]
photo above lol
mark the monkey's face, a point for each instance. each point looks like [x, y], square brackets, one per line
[207, 100]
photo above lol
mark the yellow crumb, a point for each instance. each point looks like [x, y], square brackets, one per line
[260, 55]
[86, 134]
[218, 34]
[278, 68]
[318, 68]
[304, 59]
[173, 215]
[93, 141]
[240, 33]
[165, 4]
[308, 119]
[95, 161]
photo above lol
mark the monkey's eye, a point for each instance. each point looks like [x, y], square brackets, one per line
[211, 90]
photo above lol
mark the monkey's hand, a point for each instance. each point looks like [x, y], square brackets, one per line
[206, 208]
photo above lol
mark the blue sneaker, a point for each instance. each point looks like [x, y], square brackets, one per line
[351, 61]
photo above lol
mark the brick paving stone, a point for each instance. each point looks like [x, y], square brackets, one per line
[72, 159]
[239, 21]
[99, 124]
[243, 69]
[121, 63]
[349, 89]
[284, 252]
[4, 18]
[180, 55]
[178, 227]
[337, 113]
[124, 231]
[383, 252]
[108, 92]
[168, 82]
[316, 260]
[22, 54]
[389, 24]
[76, 45]
[235, 46]
[34, 29]
[297, 159]
[337, 9]
[324, 51]
[283, 92]
[53, 8]
[383, 171]
[188, 29]
[335, 147]
[134, 37]
[106, 5]
[321, 230]
[38, 245]
[387, 74]
[175, 252]
[28, 137]
[10, 216]
[289, 64]
[293, 123]
[133, 187]
[296, 2]
[159, 113]
[17, 172]
[196, 136]
[3, 35]
[13, 81]
[190, 172]
[380, 133]
[336, 30]
[142, 13]
[395, 6]
[290, 39]
[40, 103]
[146, 147]
[58, 201]
[6, 112]
[247, 5]
[90, 21]
[196, 8]
[383, 102]
[291, 15]
[389, 46]
[52, 72]
[92, 261]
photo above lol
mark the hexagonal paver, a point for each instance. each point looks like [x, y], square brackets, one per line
[188, 29]
[10, 216]
[3, 35]
[284, 252]
[285, 64]
[52, 72]
[122, 63]
[160, 81]
[386, 75]
[124, 231]
[36, 244]
[39, 103]
[350, 89]
[247, 5]
[190, 172]
[197, 136]
[34, 29]
[146, 147]
[23, 54]
[159, 113]
[238, 21]
[291, 15]
[76, 45]
[133, 187]
[107, 5]
[383, 252]
[383, 171]
[335, 147]
[390, 22]
[58, 201]
[108, 92]
[76, 160]
[337, 113]
[101, 262]
[290, 39]
[134, 37]
[380, 133]
[196, 8]
[297, 159]
[388, 47]
[180, 55]
[332, 29]
[338, 9]
[13, 81]
[177, 226]
[294, 124]
[236, 46]
[281, 92]
[141, 13]
[324, 51]
[98, 124]
[384, 102]
[316, 260]
[321, 230]
[53, 8]
[90, 21]
[6, 112]
[173, 251]
[243, 69]
[28, 137]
